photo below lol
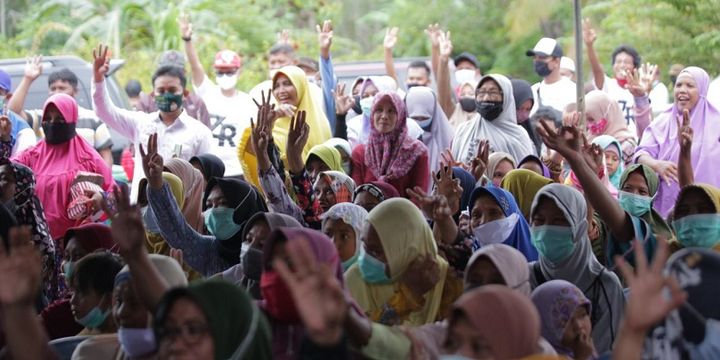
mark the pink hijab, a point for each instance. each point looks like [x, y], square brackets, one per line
[193, 189]
[390, 156]
[599, 105]
[55, 167]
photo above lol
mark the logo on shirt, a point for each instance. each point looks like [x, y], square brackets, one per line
[223, 132]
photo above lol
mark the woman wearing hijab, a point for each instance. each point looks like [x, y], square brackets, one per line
[560, 233]
[498, 264]
[638, 186]
[371, 194]
[391, 155]
[321, 158]
[424, 109]
[659, 146]
[697, 217]
[523, 185]
[290, 91]
[499, 164]
[467, 183]
[56, 160]
[495, 218]
[534, 163]
[227, 323]
[614, 158]
[604, 117]
[209, 165]
[524, 101]
[343, 223]
[193, 188]
[464, 111]
[496, 122]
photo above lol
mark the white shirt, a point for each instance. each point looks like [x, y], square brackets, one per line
[659, 98]
[713, 94]
[186, 134]
[229, 116]
[557, 95]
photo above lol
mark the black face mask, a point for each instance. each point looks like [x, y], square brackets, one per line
[489, 110]
[541, 68]
[252, 263]
[411, 85]
[58, 133]
[356, 107]
[468, 104]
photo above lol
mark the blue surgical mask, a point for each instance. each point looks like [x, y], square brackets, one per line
[349, 262]
[372, 269]
[219, 221]
[701, 230]
[709, 348]
[424, 124]
[555, 243]
[137, 342]
[636, 205]
[94, 318]
[366, 105]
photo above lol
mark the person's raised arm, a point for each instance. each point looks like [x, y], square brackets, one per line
[33, 69]
[433, 31]
[572, 145]
[589, 37]
[198, 73]
[391, 36]
[639, 80]
[437, 208]
[443, 73]
[343, 103]
[327, 74]
[685, 137]
[296, 140]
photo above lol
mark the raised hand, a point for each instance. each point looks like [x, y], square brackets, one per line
[312, 284]
[20, 269]
[421, 275]
[33, 67]
[325, 35]
[101, 63]
[299, 132]
[648, 74]
[447, 185]
[391, 37]
[567, 142]
[283, 37]
[479, 163]
[152, 163]
[5, 129]
[635, 85]
[186, 30]
[127, 227]
[343, 102]
[589, 35]
[571, 118]
[435, 207]
[593, 155]
[685, 133]
[433, 32]
[445, 44]
[267, 109]
[667, 170]
[447, 159]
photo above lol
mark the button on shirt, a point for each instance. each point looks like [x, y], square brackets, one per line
[186, 137]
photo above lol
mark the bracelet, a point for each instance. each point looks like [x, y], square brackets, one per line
[187, 39]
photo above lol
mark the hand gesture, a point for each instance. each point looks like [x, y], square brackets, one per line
[298, 134]
[445, 44]
[685, 133]
[391, 37]
[127, 227]
[343, 102]
[20, 269]
[589, 35]
[5, 129]
[101, 63]
[571, 118]
[593, 155]
[312, 284]
[567, 142]
[421, 275]
[434, 207]
[433, 32]
[479, 163]
[325, 35]
[152, 163]
[648, 302]
[33, 67]
[634, 84]
[648, 74]
[186, 30]
[667, 170]
[447, 185]
[447, 159]
[283, 37]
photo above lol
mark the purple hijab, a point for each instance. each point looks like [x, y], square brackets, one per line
[546, 170]
[556, 301]
[660, 142]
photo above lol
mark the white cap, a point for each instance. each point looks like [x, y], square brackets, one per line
[546, 47]
[567, 63]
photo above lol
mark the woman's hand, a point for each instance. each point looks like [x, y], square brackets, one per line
[447, 185]
[567, 142]
[343, 102]
[20, 269]
[480, 162]
[101, 63]
[128, 231]
[421, 275]
[296, 141]
[667, 170]
[445, 44]
[325, 35]
[434, 207]
[685, 133]
[152, 163]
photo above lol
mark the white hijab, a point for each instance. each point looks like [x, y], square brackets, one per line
[422, 102]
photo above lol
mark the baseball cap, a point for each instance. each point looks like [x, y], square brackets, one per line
[172, 58]
[546, 47]
[466, 56]
[5, 81]
[227, 59]
[567, 63]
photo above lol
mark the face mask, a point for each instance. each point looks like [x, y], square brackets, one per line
[489, 110]
[219, 221]
[621, 82]
[495, 232]
[149, 221]
[701, 230]
[94, 318]
[168, 102]
[252, 263]
[709, 348]
[554, 243]
[67, 269]
[467, 104]
[227, 82]
[372, 269]
[137, 342]
[366, 105]
[636, 205]
[412, 85]
[597, 127]
[541, 68]
[349, 262]
[424, 124]
[356, 106]
[347, 167]
[279, 302]
[58, 133]
[464, 76]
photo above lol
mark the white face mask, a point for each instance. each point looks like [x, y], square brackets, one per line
[465, 76]
[366, 105]
[227, 82]
[495, 232]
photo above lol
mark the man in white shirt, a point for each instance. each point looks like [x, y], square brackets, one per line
[554, 90]
[179, 135]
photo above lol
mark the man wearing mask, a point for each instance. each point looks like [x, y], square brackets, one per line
[179, 135]
[554, 90]
[466, 69]
[15, 133]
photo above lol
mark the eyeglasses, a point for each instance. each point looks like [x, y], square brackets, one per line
[190, 332]
[482, 93]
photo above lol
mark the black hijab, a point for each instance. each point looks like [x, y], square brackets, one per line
[211, 165]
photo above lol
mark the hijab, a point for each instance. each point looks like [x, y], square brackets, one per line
[359, 127]
[328, 155]
[556, 302]
[660, 141]
[92, 237]
[460, 116]
[353, 215]
[392, 155]
[510, 263]
[599, 105]
[168, 268]
[507, 320]
[523, 184]
[520, 237]
[606, 142]
[421, 101]
[342, 185]
[379, 189]
[467, 182]
[402, 245]
[503, 133]
[522, 91]
[494, 160]
[212, 166]
[657, 223]
[193, 187]
[55, 167]
[545, 170]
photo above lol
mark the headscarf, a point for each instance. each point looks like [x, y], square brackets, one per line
[660, 142]
[520, 237]
[522, 91]
[193, 187]
[340, 144]
[657, 223]
[503, 133]
[55, 167]
[274, 220]
[328, 155]
[605, 142]
[342, 185]
[467, 182]
[390, 156]
[421, 101]
[523, 184]
[237, 326]
[379, 189]
[510, 263]
[315, 117]
[599, 105]
[402, 245]
[556, 301]
[168, 268]
[545, 170]
[361, 125]
[494, 160]
[504, 318]
[352, 215]
[212, 166]
[712, 192]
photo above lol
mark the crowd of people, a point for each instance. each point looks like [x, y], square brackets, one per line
[457, 215]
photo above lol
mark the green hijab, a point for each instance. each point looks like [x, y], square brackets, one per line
[653, 218]
[327, 154]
